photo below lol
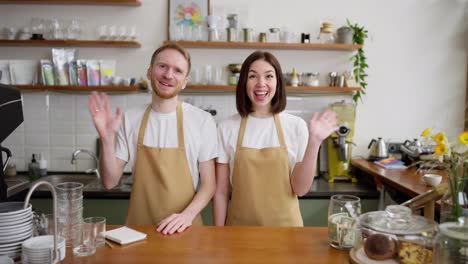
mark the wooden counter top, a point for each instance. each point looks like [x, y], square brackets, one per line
[209, 244]
[407, 181]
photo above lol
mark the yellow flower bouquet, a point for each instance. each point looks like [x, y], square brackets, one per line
[453, 158]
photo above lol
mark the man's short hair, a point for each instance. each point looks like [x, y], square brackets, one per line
[176, 47]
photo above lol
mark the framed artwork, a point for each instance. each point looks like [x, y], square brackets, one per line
[186, 14]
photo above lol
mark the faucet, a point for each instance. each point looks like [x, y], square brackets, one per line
[95, 170]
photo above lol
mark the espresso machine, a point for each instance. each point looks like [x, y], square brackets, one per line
[11, 116]
[339, 144]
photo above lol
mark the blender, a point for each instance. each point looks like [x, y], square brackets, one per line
[339, 143]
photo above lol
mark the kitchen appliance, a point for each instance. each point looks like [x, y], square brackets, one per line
[11, 116]
[413, 151]
[339, 143]
[378, 149]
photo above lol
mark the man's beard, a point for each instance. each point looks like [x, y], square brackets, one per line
[170, 95]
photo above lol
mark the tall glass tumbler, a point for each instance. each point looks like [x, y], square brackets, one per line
[70, 208]
[342, 230]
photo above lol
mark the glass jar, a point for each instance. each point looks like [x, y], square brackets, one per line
[449, 210]
[451, 244]
[342, 211]
[395, 234]
[326, 33]
[311, 79]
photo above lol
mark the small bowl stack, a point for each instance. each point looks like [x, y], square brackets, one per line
[40, 249]
[16, 225]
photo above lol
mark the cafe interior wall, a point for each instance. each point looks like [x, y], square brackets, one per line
[417, 54]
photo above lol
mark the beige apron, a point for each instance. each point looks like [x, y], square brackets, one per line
[162, 182]
[261, 188]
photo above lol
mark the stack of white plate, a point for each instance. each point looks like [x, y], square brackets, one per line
[16, 225]
[39, 249]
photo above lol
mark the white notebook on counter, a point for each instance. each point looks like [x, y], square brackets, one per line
[124, 235]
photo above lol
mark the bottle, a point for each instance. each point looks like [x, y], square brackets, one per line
[11, 168]
[42, 166]
[33, 169]
[294, 78]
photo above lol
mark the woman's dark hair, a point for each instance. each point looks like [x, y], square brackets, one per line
[243, 103]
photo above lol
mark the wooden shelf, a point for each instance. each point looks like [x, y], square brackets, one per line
[78, 88]
[261, 45]
[75, 2]
[70, 43]
[232, 88]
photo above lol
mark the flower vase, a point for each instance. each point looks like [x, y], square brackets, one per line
[454, 202]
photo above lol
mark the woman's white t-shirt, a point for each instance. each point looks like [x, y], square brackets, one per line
[261, 133]
[161, 131]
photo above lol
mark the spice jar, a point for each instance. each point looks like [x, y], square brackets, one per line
[451, 243]
[395, 234]
[326, 33]
[311, 79]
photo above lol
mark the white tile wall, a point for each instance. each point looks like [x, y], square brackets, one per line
[56, 124]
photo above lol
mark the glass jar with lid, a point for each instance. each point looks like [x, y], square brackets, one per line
[451, 243]
[395, 235]
[326, 33]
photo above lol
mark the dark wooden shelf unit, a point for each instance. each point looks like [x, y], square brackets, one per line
[78, 88]
[262, 45]
[70, 43]
[74, 2]
[289, 88]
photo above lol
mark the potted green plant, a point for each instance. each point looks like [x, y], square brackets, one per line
[359, 60]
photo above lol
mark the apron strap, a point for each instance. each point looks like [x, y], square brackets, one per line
[240, 137]
[144, 122]
[180, 126]
[279, 130]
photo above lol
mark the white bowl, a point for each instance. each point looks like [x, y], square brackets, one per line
[432, 179]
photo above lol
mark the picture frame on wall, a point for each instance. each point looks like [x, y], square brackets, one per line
[186, 19]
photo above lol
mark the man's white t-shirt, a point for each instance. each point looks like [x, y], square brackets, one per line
[161, 131]
[261, 133]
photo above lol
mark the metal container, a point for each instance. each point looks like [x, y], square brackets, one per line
[344, 35]
[248, 34]
[232, 34]
[262, 37]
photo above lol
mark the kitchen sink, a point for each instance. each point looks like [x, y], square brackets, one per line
[85, 179]
[13, 182]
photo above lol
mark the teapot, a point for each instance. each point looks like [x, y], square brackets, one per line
[378, 149]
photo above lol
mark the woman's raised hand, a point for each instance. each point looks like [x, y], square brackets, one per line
[322, 125]
[105, 122]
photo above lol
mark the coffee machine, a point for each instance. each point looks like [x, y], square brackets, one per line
[339, 144]
[11, 116]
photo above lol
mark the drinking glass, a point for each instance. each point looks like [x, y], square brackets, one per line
[84, 239]
[100, 225]
[207, 74]
[342, 211]
[102, 32]
[195, 76]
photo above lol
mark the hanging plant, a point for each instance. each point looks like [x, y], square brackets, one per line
[359, 60]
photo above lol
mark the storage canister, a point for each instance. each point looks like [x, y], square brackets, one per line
[451, 243]
[395, 234]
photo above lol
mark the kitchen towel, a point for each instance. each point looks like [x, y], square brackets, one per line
[124, 235]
